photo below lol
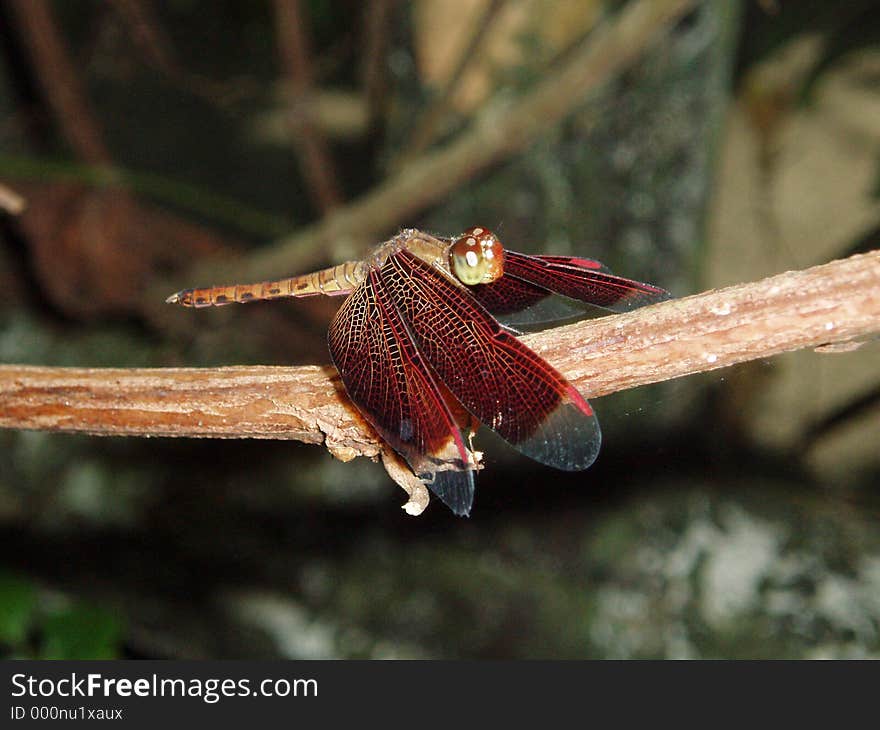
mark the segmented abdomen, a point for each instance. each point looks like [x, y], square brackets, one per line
[334, 281]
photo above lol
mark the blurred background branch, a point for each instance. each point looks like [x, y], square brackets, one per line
[294, 50]
[10, 201]
[60, 81]
[503, 128]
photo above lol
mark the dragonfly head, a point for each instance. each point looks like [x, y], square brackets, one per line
[477, 257]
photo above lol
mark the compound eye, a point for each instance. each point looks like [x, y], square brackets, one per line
[477, 257]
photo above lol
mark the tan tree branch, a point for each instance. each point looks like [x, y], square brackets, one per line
[828, 304]
[832, 303]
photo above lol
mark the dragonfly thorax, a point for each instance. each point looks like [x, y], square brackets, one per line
[477, 257]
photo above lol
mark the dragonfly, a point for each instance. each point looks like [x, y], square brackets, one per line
[428, 333]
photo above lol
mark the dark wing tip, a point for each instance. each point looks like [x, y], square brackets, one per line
[639, 295]
[454, 488]
[658, 294]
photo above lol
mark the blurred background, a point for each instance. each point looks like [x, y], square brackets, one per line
[143, 144]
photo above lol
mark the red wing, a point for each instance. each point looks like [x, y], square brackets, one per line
[529, 279]
[497, 378]
[389, 382]
[508, 295]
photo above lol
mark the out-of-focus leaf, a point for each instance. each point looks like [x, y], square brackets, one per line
[861, 31]
[868, 241]
[17, 602]
[81, 632]
[765, 33]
